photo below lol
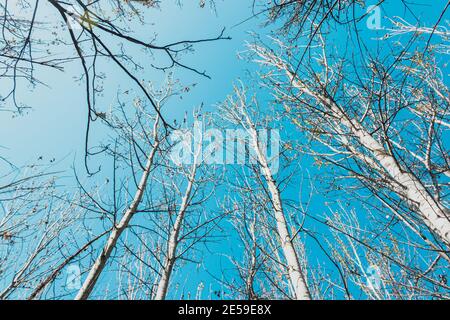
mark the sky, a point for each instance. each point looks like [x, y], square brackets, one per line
[58, 115]
[56, 120]
[55, 126]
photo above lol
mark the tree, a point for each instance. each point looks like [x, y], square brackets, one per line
[366, 129]
[146, 167]
[129, 135]
[236, 111]
[384, 266]
[90, 31]
[186, 228]
[38, 226]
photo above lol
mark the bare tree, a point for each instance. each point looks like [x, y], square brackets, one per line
[38, 225]
[382, 127]
[164, 218]
[236, 110]
[259, 264]
[82, 27]
[153, 139]
[174, 234]
[339, 114]
[384, 265]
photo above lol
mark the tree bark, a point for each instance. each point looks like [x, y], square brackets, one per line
[433, 213]
[296, 276]
[163, 283]
[117, 230]
[44, 283]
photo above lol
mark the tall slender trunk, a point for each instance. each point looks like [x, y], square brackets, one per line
[296, 276]
[432, 212]
[169, 263]
[117, 230]
[251, 295]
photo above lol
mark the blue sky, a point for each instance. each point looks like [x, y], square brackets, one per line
[58, 114]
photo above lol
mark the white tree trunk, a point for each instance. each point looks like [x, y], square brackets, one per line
[166, 273]
[296, 276]
[433, 213]
[117, 230]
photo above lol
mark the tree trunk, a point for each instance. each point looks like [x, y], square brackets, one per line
[433, 213]
[163, 284]
[117, 230]
[44, 283]
[296, 277]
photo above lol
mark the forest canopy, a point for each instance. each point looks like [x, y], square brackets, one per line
[248, 150]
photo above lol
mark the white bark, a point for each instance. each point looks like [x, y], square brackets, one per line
[433, 213]
[169, 263]
[236, 112]
[296, 276]
[117, 230]
[253, 263]
[50, 278]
